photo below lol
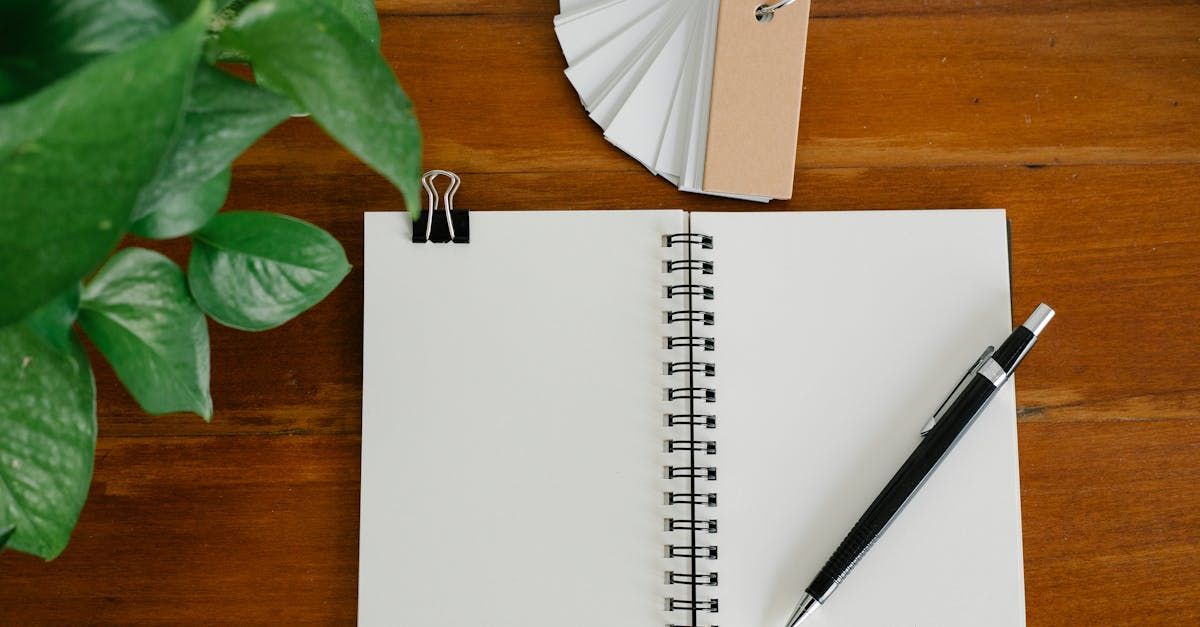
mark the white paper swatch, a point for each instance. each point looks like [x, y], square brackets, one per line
[643, 70]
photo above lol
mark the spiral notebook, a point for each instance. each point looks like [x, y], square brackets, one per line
[662, 418]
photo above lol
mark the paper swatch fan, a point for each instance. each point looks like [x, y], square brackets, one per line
[705, 93]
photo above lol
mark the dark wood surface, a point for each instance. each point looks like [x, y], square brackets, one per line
[1081, 118]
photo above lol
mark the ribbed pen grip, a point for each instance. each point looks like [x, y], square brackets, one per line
[843, 560]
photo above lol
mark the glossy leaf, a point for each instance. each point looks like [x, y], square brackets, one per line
[310, 51]
[360, 13]
[223, 116]
[138, 312]
[362, 16]
[185, 211]
[227, 10]
[48, 422]
[74, 157]
[253, 271]
[44, 40]
[54, 319]
[5, 534]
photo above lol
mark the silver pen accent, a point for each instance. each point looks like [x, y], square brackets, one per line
[1035, 324]
[1039, 319]
[988, 367]
[993, 372]
[954, 394]
[806, 606]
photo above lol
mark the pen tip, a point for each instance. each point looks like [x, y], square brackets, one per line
[803, 609]
[1039, 319]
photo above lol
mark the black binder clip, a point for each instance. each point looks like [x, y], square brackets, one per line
[450, 225]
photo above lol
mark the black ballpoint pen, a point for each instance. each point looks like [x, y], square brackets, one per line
[957, 412]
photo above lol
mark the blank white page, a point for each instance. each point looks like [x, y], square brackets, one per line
[512, 437]
[838, 335]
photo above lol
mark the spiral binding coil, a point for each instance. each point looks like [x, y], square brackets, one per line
[687, 427]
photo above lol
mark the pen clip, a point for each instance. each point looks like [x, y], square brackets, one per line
[957, 391]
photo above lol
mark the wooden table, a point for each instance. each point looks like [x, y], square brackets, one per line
[1081, 118]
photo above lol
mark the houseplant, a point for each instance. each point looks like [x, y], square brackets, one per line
[120, 117]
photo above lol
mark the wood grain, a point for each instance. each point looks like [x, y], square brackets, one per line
[1108, 508]
[205, 530]
[1081, 118]
[822, 9]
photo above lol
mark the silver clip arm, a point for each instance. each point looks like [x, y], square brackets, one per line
[429, 182]
[958, 390]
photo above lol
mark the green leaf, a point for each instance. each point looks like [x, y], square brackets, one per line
[227, 12]
[44, 40]
[252, 270]
[185, 211]
[54, 319]
[48, 422]
[8, 86]
[138, 312]
[5, 534]
[312, 53]
[73, 158]
[223, 116]
[361, 15]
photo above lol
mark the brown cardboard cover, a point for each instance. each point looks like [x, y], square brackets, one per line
[758, 76]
